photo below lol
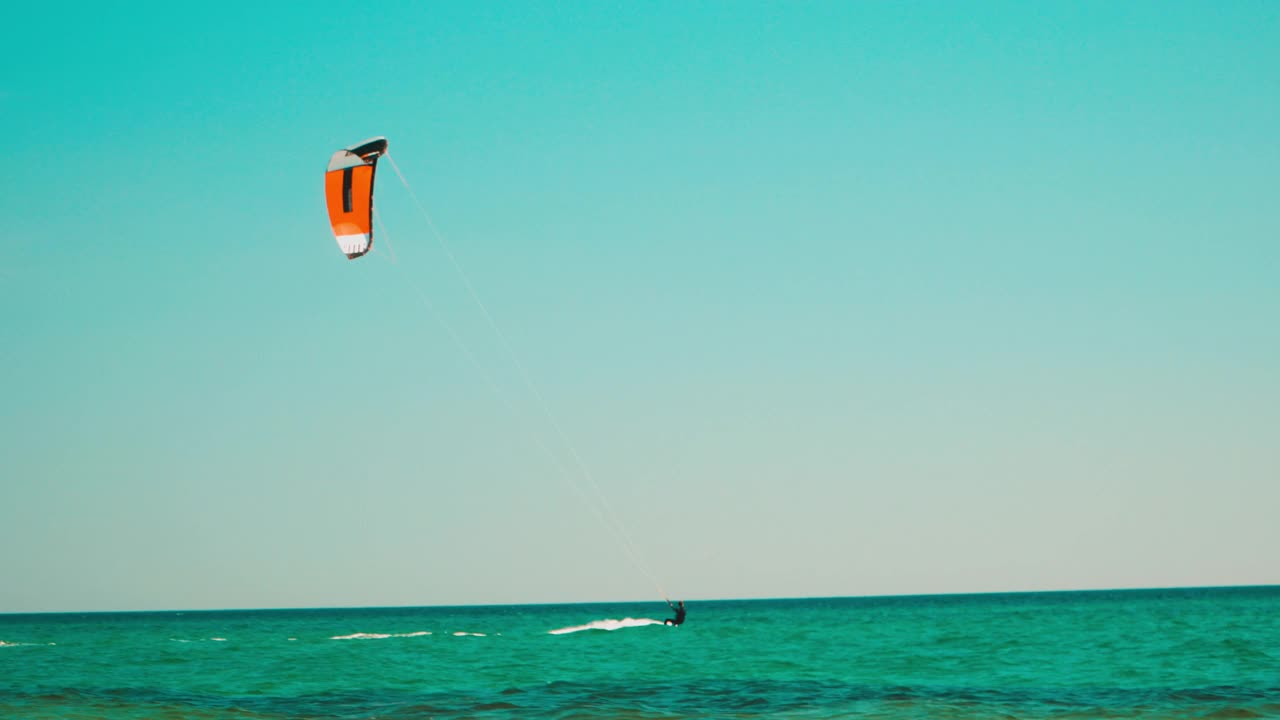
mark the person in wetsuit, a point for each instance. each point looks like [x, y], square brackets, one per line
[679, 618]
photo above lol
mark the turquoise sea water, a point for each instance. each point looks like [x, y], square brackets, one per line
[1148, 654]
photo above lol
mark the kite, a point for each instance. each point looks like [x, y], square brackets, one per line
[348, 190]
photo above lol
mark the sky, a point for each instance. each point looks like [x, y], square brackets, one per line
[703, 299]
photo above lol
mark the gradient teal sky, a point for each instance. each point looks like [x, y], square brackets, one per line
[831, 298]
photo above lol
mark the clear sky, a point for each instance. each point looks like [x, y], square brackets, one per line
[830, 298]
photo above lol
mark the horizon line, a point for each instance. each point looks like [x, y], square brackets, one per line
[318, 608]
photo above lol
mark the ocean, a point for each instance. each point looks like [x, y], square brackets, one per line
[1182, 653]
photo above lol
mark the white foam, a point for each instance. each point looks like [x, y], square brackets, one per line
[378, 636]
[608, 624]
[466, 634]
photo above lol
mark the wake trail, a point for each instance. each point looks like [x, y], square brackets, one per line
[609, 624]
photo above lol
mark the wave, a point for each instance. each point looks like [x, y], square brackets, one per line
[607, 624]
[379, 636]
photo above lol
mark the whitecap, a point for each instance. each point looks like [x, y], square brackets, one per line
[379, 636]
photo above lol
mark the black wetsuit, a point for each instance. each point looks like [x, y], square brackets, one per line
[679, 618]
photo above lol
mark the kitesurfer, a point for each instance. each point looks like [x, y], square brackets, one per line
[679, 618]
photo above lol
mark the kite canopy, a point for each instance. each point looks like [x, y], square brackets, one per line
[348, 190]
